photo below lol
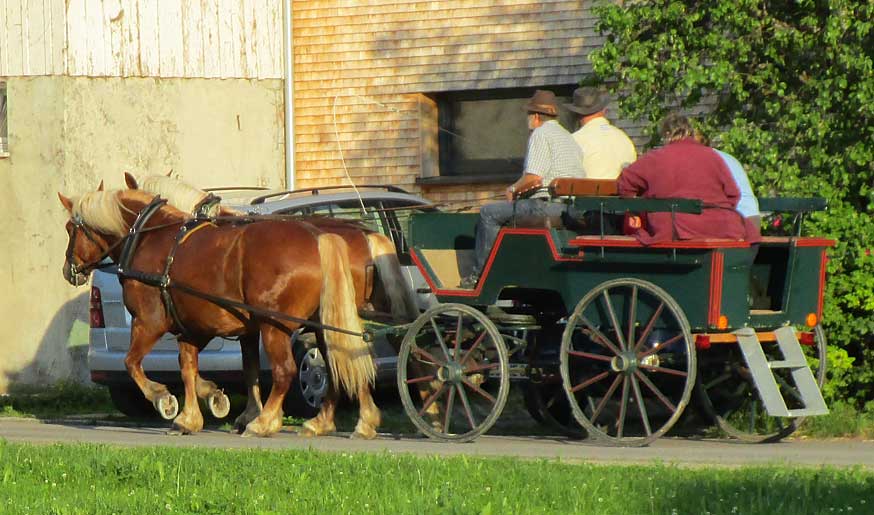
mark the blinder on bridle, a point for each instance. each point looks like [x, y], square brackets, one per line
[77, 274]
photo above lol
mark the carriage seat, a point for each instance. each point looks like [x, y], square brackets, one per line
[568, 187]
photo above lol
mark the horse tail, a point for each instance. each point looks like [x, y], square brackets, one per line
[349, 356]
[382, 251]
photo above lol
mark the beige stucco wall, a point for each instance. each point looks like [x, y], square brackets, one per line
[66, 134]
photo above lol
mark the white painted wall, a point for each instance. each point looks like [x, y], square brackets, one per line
[142, 38]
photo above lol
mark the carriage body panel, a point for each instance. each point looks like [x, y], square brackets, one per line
[708, 278]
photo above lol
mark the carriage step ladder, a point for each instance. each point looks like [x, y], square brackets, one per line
[766, 383]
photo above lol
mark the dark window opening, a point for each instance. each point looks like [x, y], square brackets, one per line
[485, 133]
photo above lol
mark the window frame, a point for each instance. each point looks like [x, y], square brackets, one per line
[4, 119]
[435, 111]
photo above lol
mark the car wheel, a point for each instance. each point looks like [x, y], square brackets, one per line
[130, 401]
[310, 386]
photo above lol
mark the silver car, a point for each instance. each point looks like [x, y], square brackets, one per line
[382, 208]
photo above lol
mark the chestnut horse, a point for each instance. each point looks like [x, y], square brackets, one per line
[366, 249]
[286, 267]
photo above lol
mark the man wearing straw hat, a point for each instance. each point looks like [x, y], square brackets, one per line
[552, 153]
[606, 148]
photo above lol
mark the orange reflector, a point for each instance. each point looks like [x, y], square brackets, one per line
[806, 338]
[722, 322]
[702, 342]
[811, 320]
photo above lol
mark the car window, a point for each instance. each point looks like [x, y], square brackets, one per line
[388, 216]
[347, 210]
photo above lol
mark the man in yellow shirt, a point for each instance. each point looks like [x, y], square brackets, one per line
[606, 148]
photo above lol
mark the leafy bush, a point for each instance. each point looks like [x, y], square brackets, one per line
[786, 88]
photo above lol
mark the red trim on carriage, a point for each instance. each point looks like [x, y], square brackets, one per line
[488, 266]
[631, 242]
[716, 268]
[797, 241]
[823, 262]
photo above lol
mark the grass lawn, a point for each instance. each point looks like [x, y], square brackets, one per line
[74, 479]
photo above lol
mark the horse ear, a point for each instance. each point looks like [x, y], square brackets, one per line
[100, 186]
[170, 173]
[67, 203]
[131, 181]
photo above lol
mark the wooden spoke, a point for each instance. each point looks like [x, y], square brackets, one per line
[613, 320]
[623, 406]
[660, 346]
[440, 339]
[458, 331]
[423, 379]
[607, 396]
[632, 315]
[789, 388]
[472, 348]
[432, 398]
[591, 381]
[718, 380]
[658, 393]
[649, 326]
[486, 395]
[640, 406]
[599, 336]
[480, 368]
[466, 404]
[447, 418]
[589, 355]
[431, 360]
[663, 370]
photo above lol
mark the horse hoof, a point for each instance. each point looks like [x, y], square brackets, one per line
[177, 432]
[167, 406]
[306, 432]
[362, 436]
[219, 404]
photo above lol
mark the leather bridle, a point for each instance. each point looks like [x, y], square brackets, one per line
[73, 269]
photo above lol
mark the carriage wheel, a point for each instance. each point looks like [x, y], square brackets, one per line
[453, 374]
[727, 394]
[547, 403]
[627, 362]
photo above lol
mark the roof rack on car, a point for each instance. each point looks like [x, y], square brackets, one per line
[317, 190]
[241, 188]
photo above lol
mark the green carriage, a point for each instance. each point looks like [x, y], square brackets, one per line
[611, 338]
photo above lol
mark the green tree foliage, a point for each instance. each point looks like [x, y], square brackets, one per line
[788, 88]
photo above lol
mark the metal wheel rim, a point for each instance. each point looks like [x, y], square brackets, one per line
[313, 377]
[457, 395]
[631, 370]
[751, 436]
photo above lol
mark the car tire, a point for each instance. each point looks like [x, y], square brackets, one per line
[130, 401]
[310, 385]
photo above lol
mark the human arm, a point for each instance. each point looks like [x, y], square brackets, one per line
[526, 183]
[632, 181]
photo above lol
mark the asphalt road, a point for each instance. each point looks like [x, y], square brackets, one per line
[666, 450]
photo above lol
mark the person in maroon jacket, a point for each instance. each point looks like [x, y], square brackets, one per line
[684, 168]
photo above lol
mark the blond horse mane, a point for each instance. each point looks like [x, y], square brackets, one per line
[178, 193]
[101, 211]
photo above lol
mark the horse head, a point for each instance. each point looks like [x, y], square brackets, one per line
[99, 223]
[86, 246]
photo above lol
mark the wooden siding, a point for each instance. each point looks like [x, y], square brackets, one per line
[371, 61]
[142, 38]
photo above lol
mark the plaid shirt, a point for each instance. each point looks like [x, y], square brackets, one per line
[553, 153]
